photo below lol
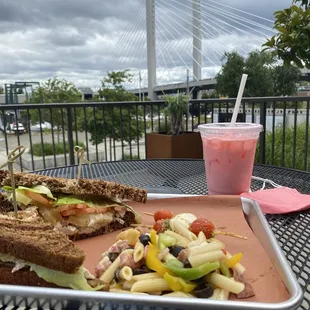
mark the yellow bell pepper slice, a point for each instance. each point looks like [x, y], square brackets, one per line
[235, 259]
[177, 284]
[173, 282]
[153, 262]
[153, 236]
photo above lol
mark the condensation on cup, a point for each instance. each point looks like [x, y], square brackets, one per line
[229, 152]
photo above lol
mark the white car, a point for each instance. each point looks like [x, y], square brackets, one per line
[14, 128]
[37, 127]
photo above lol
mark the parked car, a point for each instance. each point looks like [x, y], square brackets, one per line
[38, 127]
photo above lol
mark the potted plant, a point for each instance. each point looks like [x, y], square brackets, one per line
[176, 142]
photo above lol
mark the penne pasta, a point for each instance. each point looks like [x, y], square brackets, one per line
[216, 293]
[125, 273]
[127, 285]
[223, 295]
[204, 247]
[228, 284]
[150, 285]
[115, 285]
[108, 275]
[201, 237]
[182, 230]
[138, 252]
[180, 239]
[144, 276]
[168, 257]
[196, 260]
[179, 294]
[114, 290]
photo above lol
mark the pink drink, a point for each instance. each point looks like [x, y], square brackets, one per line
[229, 156]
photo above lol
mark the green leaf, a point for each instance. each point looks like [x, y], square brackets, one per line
[39, 189]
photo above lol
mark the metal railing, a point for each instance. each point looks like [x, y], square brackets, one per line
[117, 130]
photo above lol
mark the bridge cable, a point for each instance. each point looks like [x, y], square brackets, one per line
[221, 32]
[193, 45]
[206, 31]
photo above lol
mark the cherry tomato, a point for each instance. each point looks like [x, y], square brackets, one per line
[162, 215]
[158, 226]
[202, 225]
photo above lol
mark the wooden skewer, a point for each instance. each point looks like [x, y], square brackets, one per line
[12, 156]
[226, 233]
[148, 213]
[216, 232]
[79, 151]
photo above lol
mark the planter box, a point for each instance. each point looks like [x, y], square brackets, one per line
[60, 160]
[187, 145]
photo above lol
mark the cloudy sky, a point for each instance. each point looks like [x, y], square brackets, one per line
[80, 40]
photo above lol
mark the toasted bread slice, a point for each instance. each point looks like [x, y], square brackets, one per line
[75, 187]
[39, 244]
[25, 277]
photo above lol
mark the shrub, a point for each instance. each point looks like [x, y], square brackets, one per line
[37, 149]
[291, 145]
[133, 157]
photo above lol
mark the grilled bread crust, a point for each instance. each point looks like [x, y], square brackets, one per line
[39, 244]
[25, 277]
[5, 204]
[76, 187]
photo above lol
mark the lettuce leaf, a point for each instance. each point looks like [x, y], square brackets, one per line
[39, 189]
[68, 200]
[76, 281]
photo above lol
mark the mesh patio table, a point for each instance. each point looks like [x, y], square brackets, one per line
[292, 231]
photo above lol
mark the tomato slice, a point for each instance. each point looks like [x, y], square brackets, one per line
[71, 207]
[93, 210]
[69, 212]
[81, 211]
[38, 197]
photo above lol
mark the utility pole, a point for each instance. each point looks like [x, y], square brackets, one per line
[196, 44]
[187, 83]
[140, 79]
[151, 47]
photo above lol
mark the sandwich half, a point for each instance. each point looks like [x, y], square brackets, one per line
[80, 208]
[34, 254]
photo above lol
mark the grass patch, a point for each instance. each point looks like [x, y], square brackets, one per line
[37, 149]
[133, 157]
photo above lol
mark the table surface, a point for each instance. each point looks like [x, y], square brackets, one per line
[188, 177]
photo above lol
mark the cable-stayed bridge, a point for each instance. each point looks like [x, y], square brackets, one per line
[179, 44]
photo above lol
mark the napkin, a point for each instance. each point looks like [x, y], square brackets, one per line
[279, 200]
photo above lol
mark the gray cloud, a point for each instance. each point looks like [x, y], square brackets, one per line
[80, 40]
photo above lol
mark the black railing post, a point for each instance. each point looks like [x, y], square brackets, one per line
[262, 137]
[70, 135]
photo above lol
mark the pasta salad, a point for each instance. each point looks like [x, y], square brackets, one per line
[179, 256]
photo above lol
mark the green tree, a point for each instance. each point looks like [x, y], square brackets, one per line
[285, 79]
[1, 90]
[54, 90]
[258, 66]
[228, 79]
[115, 122]
[265, 76]
[291, 43]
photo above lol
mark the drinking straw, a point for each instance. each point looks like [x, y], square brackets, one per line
[238, 100]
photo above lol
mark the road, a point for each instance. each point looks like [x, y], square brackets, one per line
[13, 141]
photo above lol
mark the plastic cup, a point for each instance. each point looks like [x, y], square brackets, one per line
[229, 152]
